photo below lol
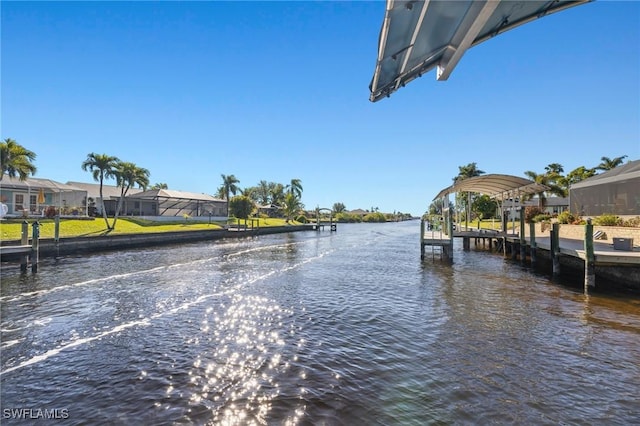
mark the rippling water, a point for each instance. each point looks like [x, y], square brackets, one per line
[313, 328]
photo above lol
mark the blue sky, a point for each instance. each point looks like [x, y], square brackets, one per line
[279, 90]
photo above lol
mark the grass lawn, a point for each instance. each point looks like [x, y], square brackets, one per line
[12, 229]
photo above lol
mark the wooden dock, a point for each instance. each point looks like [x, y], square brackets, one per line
[25, 251]
[606, 257]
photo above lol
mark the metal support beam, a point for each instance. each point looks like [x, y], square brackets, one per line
[467, 32]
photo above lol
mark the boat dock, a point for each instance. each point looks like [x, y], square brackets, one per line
[619, 261]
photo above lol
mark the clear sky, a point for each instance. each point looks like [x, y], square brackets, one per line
[279, 90]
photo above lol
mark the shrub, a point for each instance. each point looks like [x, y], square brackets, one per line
[50, 212]
[301, 218]
[374, 217]
[607, 220]
[541, 218]
[348, 218]
[566, 217]
[634, 222]
[530, 212]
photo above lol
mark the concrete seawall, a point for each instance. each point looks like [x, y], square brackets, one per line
[79, 245]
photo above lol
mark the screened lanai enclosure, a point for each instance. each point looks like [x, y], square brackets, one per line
[170, 203]
[615, 191]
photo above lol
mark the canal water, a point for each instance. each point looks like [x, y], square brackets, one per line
[312, 328]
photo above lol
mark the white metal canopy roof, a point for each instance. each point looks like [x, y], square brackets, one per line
[495, 185]
[417, 36]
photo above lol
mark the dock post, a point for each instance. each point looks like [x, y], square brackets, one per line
[523, 241]
[56, 230]
[24, 240]
[35, 243]
[450, 227]
[422, 239]
[555, 248]
[466, 243]
[589, 257]
[532, 240]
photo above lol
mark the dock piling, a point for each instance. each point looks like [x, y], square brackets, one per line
[589, 257]
[35, 246]
[555, 248]
[24, 240]
[532, 240]
[523, 242]
[421, 239]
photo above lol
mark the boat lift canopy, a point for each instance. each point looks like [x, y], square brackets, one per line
[417, 36]
[496, 186]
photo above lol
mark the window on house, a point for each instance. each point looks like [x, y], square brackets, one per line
[18, 202]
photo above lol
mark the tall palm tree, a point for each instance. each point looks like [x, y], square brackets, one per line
[295, 187]
[229, 186]
[16, 160]
[610, 163]
[128, 175]
[102, 166]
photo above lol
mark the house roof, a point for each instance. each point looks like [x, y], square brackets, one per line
[417, 36]
[108, 191]
[630, 170]
[358, 211]
[495, 185]
[37, 183]
[155, 194]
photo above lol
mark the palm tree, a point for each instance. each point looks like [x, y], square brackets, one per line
[547, 180]
[160, 186]
[338, 207]
[609, 163]
[102, 166]
[295, 187]
[466, 172]
[262, 192]
[291, 206]
[16, 160]
[276, 193]
[579, 174]
[229, 187]
[220, 193]
[127, 175]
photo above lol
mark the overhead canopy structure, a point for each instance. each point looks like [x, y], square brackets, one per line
[495, 185]
[417, 36]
